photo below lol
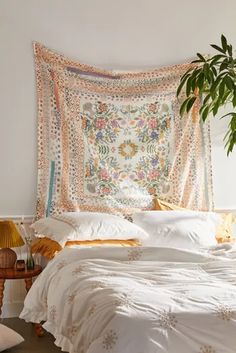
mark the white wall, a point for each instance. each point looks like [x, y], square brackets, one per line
[123, 34]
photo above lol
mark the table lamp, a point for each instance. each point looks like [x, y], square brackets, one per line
[9, 238]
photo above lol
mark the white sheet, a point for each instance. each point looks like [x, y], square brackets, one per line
[136, 300]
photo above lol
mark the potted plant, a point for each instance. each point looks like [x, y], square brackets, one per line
[212, 80]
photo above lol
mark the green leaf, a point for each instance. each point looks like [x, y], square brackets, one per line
[232, 73]
[225, 97]
[216, 107]
[195, 72]
[213, 94]
[233, 122]
[200, 81]
[224, 65]
[214, 70]
[188, 86]
[195, 76]
[227, 134]
[224, 42]
[215, 84]
[223, 116]
[182, 82]
[222, 88]
[193, 84]
[204, 113]
[206, 69]
[222, 74]
[231, 134]
[187, 73]
[202, 108]
[230, 143]
[234, 99]
[229, 82]
[216, 58]
[190, 103]
[210, 76]
[196, 61]
[218, 48]
[206, 99]
[230, 49]
[201, 57]
[183, 107]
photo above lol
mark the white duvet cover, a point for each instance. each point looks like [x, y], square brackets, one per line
[137, 300]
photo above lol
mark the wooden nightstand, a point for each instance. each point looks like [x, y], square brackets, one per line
[27, 275]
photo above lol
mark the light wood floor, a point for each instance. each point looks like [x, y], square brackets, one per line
[32, 343]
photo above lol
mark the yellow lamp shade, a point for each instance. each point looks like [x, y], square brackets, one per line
[9, 238]
[9, 235]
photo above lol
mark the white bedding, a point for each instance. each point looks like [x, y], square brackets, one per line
[136, 300]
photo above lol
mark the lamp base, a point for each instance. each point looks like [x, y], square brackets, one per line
[7, 258]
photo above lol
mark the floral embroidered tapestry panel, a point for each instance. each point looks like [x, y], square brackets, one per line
[111, 142]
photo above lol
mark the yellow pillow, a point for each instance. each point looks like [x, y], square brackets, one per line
[224, 233]
[49, 248]
[225, 230]
[160, 205]
[46, 247]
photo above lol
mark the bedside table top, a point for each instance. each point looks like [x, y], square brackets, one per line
[12, 273]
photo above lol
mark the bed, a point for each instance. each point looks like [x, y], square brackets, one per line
[116, 144]
[139, 299]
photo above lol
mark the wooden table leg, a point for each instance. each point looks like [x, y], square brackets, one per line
[28, 284]
[38, 327]
[38, 330]
[2, 282]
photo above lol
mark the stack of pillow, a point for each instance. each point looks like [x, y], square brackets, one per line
[84, 229]
[176, 227]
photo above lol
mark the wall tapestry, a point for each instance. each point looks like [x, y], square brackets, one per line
[111, 142]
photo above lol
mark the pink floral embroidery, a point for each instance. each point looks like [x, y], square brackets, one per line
[153, 174]
[105, 190]
[152, 123]
[100, 123]
[104, 174]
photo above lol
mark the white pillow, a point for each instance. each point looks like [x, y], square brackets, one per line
[9, 338]
[87, 226]
[178, 229]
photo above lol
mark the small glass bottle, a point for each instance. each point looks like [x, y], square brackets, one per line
[30, 260]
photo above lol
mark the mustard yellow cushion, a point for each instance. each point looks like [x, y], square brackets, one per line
[49, 248]
[224, 232]
[160, 205]
[46, 247]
